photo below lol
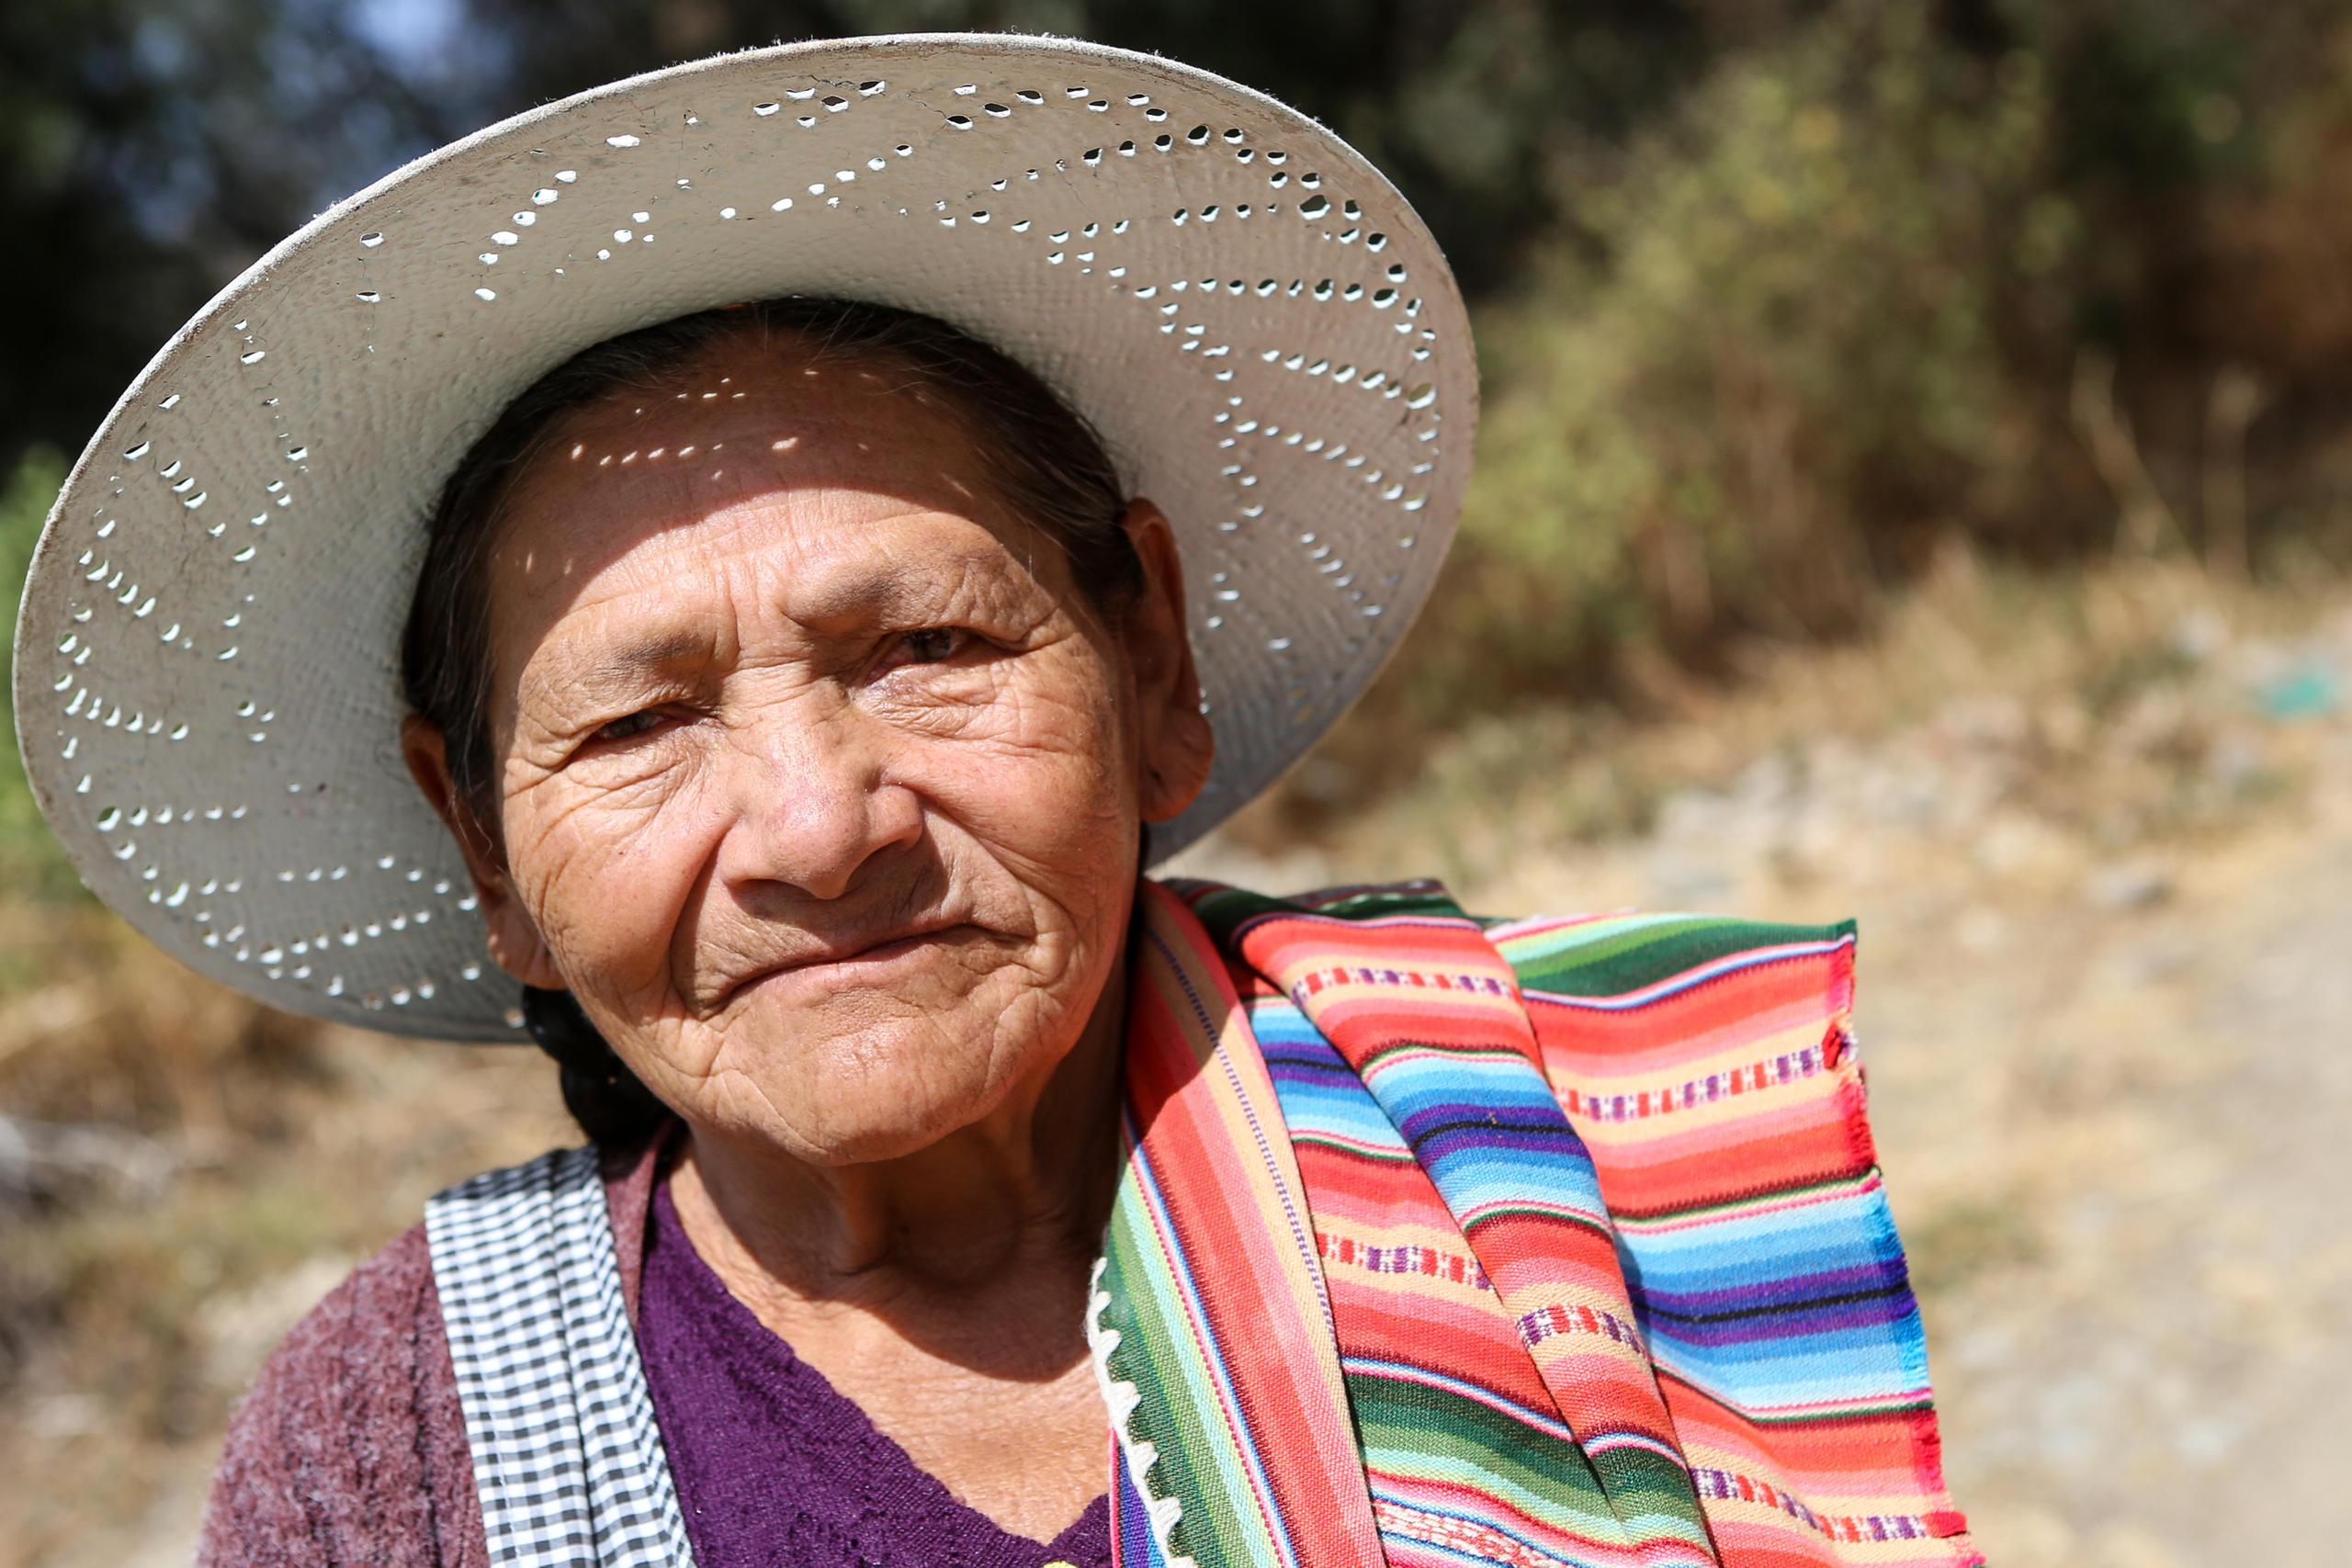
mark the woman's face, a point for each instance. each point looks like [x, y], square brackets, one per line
[820, 782]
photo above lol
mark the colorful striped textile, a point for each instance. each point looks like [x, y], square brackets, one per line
[1224, 1386]
[1558, 1243]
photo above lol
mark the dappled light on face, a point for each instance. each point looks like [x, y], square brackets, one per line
[805, 451]
[708, 440]
[674, 455]
[531, 566]
[651, 456]
[667, 430]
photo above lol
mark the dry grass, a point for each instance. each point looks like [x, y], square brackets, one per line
[2126, 706]
[211, 1168]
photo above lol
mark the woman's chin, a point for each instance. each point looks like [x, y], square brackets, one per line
[892, 1100]
[863, 1129]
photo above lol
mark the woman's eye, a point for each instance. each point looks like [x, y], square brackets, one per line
[929, 646]
[635, 724]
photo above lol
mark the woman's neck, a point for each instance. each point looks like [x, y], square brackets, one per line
[944, 1292]
[1028, 1186]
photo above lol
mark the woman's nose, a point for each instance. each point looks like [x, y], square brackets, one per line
[812, 803]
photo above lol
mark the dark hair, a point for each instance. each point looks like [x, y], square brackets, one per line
[611, 1104]
[1044, 462]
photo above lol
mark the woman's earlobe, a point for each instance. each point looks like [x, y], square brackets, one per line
[1182, 750]
[514, 943]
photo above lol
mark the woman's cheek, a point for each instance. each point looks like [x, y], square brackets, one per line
[607, 875]
[1040, 760]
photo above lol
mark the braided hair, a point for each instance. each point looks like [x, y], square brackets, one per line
[611, 1104]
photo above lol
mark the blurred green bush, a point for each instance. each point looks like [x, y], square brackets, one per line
[1845, 302]
[1779, 375]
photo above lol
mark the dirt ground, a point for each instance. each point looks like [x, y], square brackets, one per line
[2100, 841]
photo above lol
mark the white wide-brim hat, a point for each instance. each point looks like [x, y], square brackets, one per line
[1266, 334]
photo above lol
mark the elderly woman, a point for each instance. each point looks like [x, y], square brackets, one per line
[796, 691]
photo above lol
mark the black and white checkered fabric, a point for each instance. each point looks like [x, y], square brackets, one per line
[567, 1457]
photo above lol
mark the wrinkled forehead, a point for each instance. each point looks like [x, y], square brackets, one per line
[749, 418]
[833, 466]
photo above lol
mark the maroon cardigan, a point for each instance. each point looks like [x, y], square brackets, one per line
[350, 1448]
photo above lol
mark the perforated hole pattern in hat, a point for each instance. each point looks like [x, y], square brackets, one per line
[1265, 335]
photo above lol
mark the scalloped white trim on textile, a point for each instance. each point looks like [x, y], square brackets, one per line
[1121, 1397]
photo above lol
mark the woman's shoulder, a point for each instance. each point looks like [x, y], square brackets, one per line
[351, 1446]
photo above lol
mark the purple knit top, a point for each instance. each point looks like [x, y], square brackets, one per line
[776, 1468]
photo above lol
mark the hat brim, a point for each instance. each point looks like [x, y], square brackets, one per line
[1265, 333]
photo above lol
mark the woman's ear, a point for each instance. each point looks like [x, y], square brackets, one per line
[1175, 746]
[514, 941]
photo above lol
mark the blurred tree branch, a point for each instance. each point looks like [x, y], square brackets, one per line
[2147, 523]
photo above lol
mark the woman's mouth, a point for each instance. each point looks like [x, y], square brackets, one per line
[859, 961]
